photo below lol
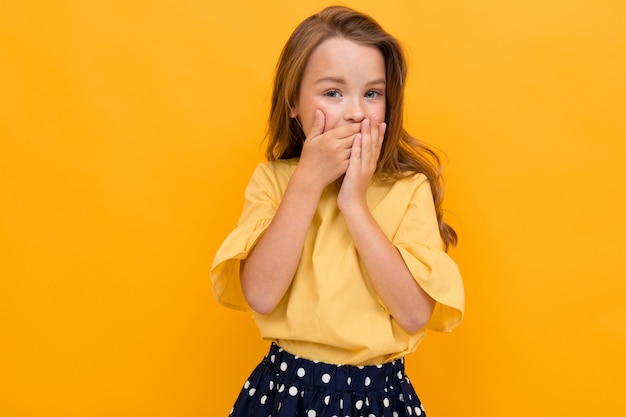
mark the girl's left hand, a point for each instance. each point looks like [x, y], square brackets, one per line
[362, 165]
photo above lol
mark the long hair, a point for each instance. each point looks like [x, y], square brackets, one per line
[401, 154]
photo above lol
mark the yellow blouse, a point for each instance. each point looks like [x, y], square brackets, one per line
[331, 312]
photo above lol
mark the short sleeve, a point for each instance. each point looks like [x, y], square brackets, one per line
[420, 245]
[261, 203]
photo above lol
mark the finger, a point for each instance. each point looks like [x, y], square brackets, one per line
[382, 129]
[355, 152]
[369, 141]
[374, 129]
[345, 131]
[377, 134]
[346, 143]
[378, 145]
[317, 128]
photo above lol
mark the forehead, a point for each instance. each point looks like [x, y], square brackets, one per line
[341, 56]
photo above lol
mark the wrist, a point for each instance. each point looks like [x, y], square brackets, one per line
[353, 208]
[305, 182]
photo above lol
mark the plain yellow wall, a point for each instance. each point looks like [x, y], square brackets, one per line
[128, 131]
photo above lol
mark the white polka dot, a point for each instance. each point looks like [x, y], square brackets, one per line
[327, 400]
[283, 366]
[251, 392]
[359, 404]
[326, 378]
[418, 412]
[367, 401]
[246, 385]
[395, 414]
[341, 403]
[386, 402]
[273, 358]
[293, 391]
[311, 413]
[409, 410]
[271, 385]
[401, 397]
[301, 372]
[399, 374]
[263, 399]
[372, 415]
[367, 381]
[349, 380]
[379, 366]
[281, 387]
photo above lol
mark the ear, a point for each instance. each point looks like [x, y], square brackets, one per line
[293, 111]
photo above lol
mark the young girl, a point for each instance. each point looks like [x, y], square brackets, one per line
[340, 251]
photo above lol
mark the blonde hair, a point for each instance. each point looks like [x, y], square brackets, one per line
[401, 153]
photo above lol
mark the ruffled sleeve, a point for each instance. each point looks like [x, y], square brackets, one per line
[261, 203]
[419, 243]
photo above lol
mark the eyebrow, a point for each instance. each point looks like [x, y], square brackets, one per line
[337, 80]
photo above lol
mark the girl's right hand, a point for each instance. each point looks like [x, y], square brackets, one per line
[326, 154]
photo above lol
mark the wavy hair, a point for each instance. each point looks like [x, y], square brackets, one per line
[401, 154]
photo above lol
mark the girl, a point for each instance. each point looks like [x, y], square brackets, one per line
[340, 251]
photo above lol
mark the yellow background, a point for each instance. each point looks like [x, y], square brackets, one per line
[129, 129]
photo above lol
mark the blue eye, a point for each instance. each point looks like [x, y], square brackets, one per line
[372, 94]
[332, 94]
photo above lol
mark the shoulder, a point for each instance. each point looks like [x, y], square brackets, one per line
[272, 174]
[405, 180]
[416, 178]
[277, 168]
[400, 192]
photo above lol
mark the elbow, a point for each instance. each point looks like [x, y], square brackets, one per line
[259, 305]
[417, 319]
[415, 323]
[258, 298]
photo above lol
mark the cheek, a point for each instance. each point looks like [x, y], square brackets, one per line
[334, 116]
[331, 118]
[381, 112]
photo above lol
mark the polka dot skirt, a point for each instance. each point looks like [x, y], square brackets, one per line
[284, 385]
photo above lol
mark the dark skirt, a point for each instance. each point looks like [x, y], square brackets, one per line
[284, 385]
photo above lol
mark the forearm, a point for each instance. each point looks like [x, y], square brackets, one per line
[270, 267]
[410, 306]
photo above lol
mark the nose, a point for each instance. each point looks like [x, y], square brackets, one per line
[354, 112]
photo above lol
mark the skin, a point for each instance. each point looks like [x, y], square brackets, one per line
[341, 105]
